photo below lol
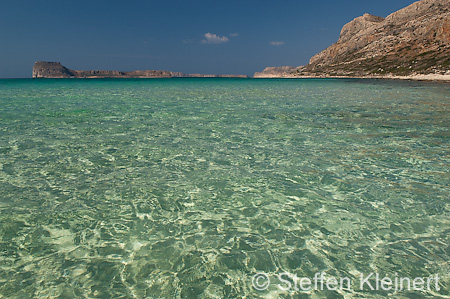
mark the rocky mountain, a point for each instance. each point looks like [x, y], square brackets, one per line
[414, 40]
[45, 69]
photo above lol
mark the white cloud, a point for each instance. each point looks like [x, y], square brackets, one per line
[234, 34]
[276, 43]
[211, 38]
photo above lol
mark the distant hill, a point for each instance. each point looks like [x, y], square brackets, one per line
[45, 69]
[412, 41]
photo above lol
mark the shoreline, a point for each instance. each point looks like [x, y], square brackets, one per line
[419, 77]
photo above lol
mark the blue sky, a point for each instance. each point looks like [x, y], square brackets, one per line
[191, 36]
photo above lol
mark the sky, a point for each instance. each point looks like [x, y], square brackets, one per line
[190, 36]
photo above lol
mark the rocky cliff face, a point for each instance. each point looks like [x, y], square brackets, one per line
[413, 40]
[45, 69]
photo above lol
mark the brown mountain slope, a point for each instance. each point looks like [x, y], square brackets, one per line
[413, 40]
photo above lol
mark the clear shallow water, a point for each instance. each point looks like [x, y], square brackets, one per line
[186, 188]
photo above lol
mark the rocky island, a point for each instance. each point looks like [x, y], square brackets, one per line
[412, 43]
[45, 69]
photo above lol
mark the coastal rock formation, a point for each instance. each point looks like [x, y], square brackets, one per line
[413, 40]
[45, 69]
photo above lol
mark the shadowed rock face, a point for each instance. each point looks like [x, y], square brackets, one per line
[44, 69]
[413, 40]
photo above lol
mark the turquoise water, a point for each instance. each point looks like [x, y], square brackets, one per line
[186, 188]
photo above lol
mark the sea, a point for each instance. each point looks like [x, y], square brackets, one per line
[224, 188]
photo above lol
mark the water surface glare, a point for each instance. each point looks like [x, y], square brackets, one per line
[186, 188]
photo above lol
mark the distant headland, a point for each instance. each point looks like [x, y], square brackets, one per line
[46, 69]
[412, 43]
